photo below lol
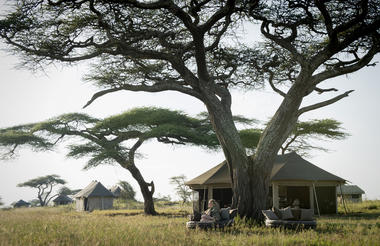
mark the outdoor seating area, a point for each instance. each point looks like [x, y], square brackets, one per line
[290, 218]
[227, 218]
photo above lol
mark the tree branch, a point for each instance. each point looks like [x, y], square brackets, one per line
[324, 103]
[159, 87]
[328, 74]
[320, 90]
[274, 88]
[99, 94]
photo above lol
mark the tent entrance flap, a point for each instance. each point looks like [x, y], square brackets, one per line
[223, 196]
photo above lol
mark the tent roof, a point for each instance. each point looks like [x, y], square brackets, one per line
[286, 167]
[62, 198]
[22, 203]
[95, 188]
[349, 189]
[116, 190]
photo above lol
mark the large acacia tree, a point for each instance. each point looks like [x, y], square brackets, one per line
[115, 139]
[183, 46]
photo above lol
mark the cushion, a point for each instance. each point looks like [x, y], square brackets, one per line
[286, 213]
[225, 213]
[277, 212]
[296, 214]
[307, 214]
[269, 214]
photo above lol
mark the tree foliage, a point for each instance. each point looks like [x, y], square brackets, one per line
[127, 191]
[44, 185]
[64, 190]
[300, 140]
[182, 190]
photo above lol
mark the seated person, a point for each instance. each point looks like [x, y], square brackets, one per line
[212, 214]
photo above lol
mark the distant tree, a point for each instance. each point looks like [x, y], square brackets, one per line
[64, 190]
[44, 185]
[34, 203]
[127, 191]
[1, 203]
[114, 139]
[182, 190]
[301, 138]
[162, 198]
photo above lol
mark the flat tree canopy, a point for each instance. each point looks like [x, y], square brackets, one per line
[186, 46]
[44, 185]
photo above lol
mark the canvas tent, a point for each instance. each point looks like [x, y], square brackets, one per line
[292, 178]
[62, 200]
[350, 193]
[94, 196]
[116, 190]
[21, 203]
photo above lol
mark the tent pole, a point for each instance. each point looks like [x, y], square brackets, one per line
[203, 200]
[316, 200]
[344, 202]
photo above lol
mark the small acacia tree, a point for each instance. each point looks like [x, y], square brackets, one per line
[44, 185]
[114, 139]
[182, 190]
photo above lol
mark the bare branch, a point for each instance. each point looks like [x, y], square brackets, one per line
[274, 88]
[158, 87]
[324, 103]
[99, 94]
[320, 90]
[61, 137]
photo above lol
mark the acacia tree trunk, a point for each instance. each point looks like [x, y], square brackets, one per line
[144, 187]
[129, 164]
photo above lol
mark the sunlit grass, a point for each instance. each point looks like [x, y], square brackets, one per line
[64, 226]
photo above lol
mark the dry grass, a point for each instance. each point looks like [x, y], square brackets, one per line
[63, 226]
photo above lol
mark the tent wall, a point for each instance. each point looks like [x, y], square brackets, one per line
[79, 204]
[94, 203]
[327, 201]
[355, 198]
[100, 203]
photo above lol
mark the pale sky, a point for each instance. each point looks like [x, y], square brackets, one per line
[26, 97]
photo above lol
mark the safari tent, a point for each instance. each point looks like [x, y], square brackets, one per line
[116, 190]
[292, 178]
[350, 193]
[21, 203]
[94, 196]
[62, 200]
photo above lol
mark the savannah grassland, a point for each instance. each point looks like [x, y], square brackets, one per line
[64, 226]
